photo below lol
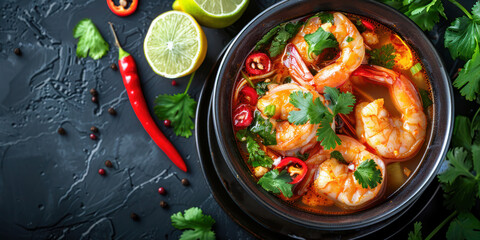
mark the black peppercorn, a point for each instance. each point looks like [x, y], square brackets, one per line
[94, 92]
[94, 129]
[134, 216]
[17, 52]
[108, 164]
[163, 204]
[113, 66]
[61, 131]
[185, 182]
[112, 111]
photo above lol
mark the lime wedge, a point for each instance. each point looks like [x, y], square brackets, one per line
[213, 13]
[175, 45]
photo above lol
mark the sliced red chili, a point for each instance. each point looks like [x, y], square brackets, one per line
[249, 95]
[242, 116]
[122, 10]
[295, 167]
[258, 63]
[368, 25]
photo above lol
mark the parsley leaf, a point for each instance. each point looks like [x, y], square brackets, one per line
[425, 13]
[462, 134]
[276, 182]
[267, 38]
[326, 135]
[194, 218]
[367, 174]
[264, 128]
[179, 109]
[256, 156]
[459, 165]
[319, 40]
[90, 41]
[339, 102]
[326, 17]
[310, 110]
[262, 88]
[463, 36]
[468, 80]
[465, 226]
[383, 56]
[285, 32]
[425, 95]
[337, 155]
[416, 234]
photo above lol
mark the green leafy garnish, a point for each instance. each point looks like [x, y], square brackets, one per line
[425, 95]
[90, 41]
[468, 80]
[463, 36]
[179, 109]
[267, 38]
[383, 56]
[338, 155]
[416, 234]
[368, 174]
[200, 225]
[302, 156]
[270, 110]
[317, 113]
[319, 40]
[256, 156]
[425, 13]
[465, 226]
[416, 68]
[276, 182]
[262, 88]
[264, 128]
[285, 32]
[325, 17]
[349, 39]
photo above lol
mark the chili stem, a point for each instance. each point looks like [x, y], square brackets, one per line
[461, 8]
[189, 82]
[441, 225]
[114, 35]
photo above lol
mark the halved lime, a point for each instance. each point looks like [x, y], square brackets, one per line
[213, 13]
[175, 45]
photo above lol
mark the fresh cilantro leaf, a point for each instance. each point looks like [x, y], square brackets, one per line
[367, 174]
[262, 88]
[339, 102]
[270, 110]
[416, 234]
[383, 56]
[425, 95]
[476, 122]
[459, 165]
[285, 32]
[256, 156]
[320, 40]
[462, 134]
[179, 109]
[465, 226]
[460, 193]
[310, 110]
[276, 182]
[302, 156]
[463, 35]
[264, 128]
[90, 41]
[326, 135]
[425, 13]
[337, 155]
[267, 38]
[326, 17]
[468, 80]
[194, 219]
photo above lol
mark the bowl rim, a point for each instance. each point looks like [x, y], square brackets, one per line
[447, 116]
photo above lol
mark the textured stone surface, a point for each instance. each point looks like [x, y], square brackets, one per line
[49, 185]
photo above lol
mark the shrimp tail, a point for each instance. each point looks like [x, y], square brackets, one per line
[376, 74]
[296, 66]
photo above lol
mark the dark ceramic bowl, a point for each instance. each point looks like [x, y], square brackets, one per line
[440, 128]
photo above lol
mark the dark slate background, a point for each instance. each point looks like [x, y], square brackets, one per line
[49, 185]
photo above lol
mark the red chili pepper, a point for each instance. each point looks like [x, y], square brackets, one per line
[368, 25]
[121, 10]
[242, 116]
[258, 63]
[128, 69]
[249, 96]
[295, 167]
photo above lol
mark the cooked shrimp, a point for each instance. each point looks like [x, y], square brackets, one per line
[391, 137]
[337, 181]
[352, 53]
[290, 138]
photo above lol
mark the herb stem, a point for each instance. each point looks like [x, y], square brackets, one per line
[461, 8]
[441, 225]
[248, 79]
[189, 82]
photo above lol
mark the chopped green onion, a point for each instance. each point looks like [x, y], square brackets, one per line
[270, 110]
[248, 79]
[416, 68]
